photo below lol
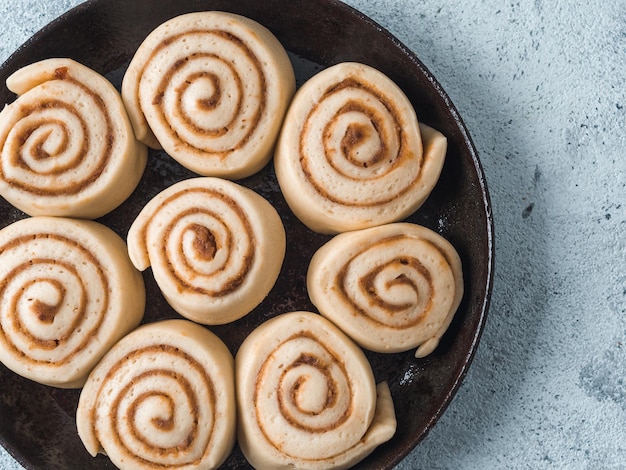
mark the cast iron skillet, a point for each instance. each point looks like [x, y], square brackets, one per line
[37, 422]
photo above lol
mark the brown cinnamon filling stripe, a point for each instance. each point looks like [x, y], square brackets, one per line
[106, 144]
[367, 284]
[211, 103]
[77, 327]
[354, 135]
[205, 242]
[305, 358]
[195, 402]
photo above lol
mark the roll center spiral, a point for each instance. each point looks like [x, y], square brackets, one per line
[392, 285]
[314, 390]
[204, 243]
[51, 293]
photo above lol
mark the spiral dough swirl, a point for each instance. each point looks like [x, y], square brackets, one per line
[307, 397]
[215, 248]
[67, 292]
[67, 145]
[352, 154]
[211, 88]
[162, 397]
[390, 288]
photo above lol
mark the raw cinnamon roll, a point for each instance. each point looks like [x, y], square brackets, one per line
[306, 396]
[215, 247]
[163, 397]
[351, 153]
[67, 146]
[67, 292]
[211, 88]
[390, 288]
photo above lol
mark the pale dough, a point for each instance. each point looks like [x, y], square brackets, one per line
[351, 153]
[215, 247]
[163, 397]
[390, 288]
[210, 88]
[68, 292]
[67, 145]
[307, 398]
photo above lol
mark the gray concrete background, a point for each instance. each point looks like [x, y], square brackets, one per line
[540, 85]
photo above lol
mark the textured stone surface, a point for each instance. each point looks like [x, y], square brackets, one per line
[540, 86]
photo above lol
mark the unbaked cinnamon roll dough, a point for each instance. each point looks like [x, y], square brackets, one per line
[68, 292]
[210, 88]
[67, 147]
[351, 153]
[391, 288]
[162, 397]
[215, 247]
[306, 396]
